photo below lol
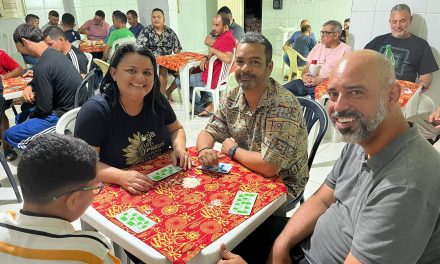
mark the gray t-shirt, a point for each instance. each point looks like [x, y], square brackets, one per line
[387, 208]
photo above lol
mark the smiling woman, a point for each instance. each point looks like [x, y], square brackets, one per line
[131, 122]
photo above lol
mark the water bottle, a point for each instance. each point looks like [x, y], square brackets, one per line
[389, 54]
[312, 68]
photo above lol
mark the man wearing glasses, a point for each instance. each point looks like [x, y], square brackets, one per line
[57, 175]
[327, 54]
[96, 28]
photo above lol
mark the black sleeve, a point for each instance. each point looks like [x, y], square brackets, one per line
[90, 124]
[82, 62]
[373, 45]
[169, 115]
[427, 62]
[42, 85]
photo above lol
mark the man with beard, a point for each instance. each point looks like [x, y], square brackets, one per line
[259, 123]
[380, 203]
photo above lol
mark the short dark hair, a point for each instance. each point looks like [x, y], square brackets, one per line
[132, 12]
[225, 19]
[54, 32]
[120, 16]
[109, 88]
[53, 164]
[68, 19]
[100, 13]
[29, 32]
[258, 38]
[225, 9]
[305, 28]
[30, 17]
[347, 20]
[158, 9]
[54, 13]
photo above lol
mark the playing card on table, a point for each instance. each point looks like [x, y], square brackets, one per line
[135, 220]
[243, 203]
[221, 167]
[166, 171]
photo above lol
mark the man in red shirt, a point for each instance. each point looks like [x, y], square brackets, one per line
[9, 68]
[223, 48]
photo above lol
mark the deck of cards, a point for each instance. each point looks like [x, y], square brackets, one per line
[243, 203]
[164, 172]
[134, 220]
[221, 167]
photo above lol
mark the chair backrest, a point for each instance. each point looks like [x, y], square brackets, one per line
[89, 58]
[66, 123]
[223, 78]
[293, 55]
[85, 89]
[119, 42]
[102, 65]
[312, 112]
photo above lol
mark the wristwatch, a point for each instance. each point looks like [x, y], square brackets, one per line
[232, 151]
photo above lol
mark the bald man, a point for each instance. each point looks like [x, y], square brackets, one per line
[380, 203]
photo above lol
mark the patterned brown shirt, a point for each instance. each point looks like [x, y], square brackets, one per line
[276, 129]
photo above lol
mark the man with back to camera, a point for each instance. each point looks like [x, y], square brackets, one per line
[413, 55]
[380, 203]
[68, 23]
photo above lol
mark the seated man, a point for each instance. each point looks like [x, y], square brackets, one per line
[412, 54]
[121, 31]
[259, 123]
[303, 44]
[54, 19]
[54, 196]
[68, 23]
[34, 20]
[9, 68]
[51, 92]
[298, 33]
[380, 203]
[135, 26]
[223, 48]
[161, 40]
[55, 38]
[327, 53]
[96, 28]
[237, 30]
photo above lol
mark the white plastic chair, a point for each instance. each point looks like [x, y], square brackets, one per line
[89, 58]
[418, 103]
[119, 42]
[222, 84]
[76, 43]
[66, 124]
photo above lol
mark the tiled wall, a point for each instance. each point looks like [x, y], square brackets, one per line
[293, 11]
[370, 19]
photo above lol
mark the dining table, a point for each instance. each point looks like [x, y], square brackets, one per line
[13, 87]
[190, 210]
[182, 63]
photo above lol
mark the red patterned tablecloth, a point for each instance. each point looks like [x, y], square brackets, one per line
[175, 61]
[408, 89]
[91, 48]
[15, 84]
[188, 219]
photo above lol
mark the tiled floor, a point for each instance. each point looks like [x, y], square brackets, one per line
[324, 159]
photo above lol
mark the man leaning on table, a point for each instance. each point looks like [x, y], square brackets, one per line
[380, 203]
[259, 123]
[413, 55]
[96, 28]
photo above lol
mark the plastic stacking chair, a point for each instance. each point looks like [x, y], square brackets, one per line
[313, 112]
[66, 123]
[419, 103]
[85, 89]
[102, 65]
[293, 55]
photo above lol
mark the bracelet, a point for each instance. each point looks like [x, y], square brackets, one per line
[202, 149]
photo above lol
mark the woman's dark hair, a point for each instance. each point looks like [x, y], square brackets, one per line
[109, 88]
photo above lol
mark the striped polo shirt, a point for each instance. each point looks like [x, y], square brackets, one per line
[30, 238]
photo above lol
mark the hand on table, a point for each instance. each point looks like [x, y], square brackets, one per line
[208, 157]
[28, 94]
[28, 73]
[228, 144]
[229, 257]
[135, 182]
[181, 158]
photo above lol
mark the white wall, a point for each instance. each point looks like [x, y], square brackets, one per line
[293, 12]
[370, 19]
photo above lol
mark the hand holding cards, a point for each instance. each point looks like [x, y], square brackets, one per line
[221, 167]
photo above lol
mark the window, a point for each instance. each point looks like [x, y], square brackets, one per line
[11, 9]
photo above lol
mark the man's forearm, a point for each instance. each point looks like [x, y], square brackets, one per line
[425, 80]
[204, 140]
[223, 56]
[254, 161]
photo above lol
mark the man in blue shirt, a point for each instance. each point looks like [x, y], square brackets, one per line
[303, 44]
[135, 26]
[298, 33]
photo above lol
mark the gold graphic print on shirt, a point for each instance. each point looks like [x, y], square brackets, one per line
[141, 148]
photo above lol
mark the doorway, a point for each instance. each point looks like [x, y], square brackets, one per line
[253, 15]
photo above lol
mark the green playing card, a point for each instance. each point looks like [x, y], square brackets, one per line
[164, 172]
[135, 220]
[243, 203]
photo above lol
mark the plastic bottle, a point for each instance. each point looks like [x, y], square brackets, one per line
[312, 68]
[389, 54]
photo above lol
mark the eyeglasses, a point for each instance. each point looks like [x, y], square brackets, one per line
[96, 190]
[326, 33]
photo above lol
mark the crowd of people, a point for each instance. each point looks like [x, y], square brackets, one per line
[383, 182]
